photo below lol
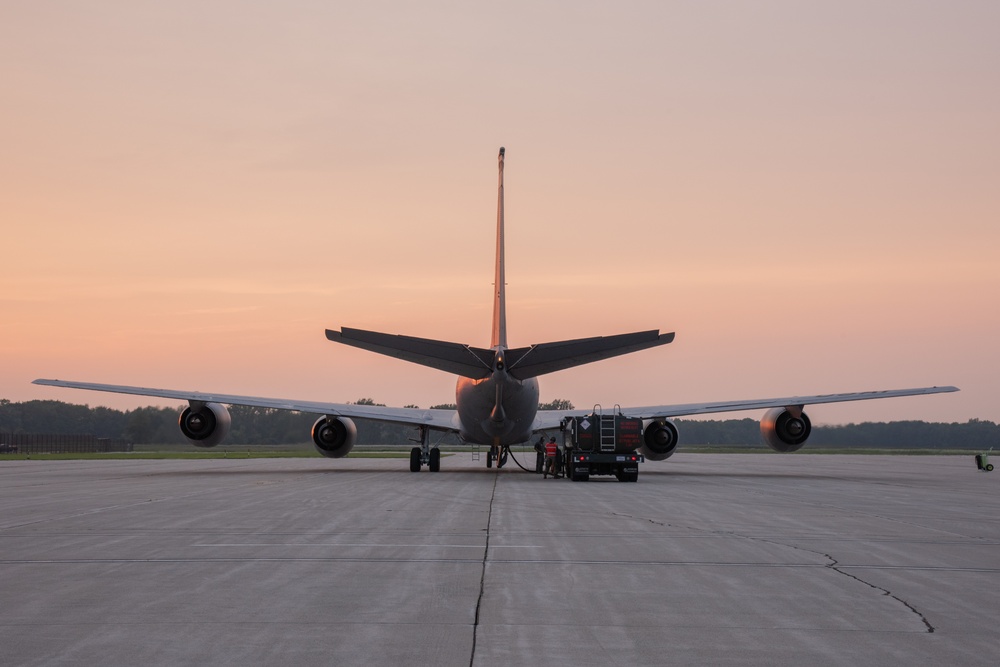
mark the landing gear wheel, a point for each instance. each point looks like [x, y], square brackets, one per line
[434, 462]
[489, 458]
[415, 459]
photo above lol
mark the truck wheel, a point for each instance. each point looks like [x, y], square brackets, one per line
[989, 467]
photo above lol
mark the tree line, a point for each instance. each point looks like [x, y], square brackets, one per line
[973, 434]
[265, 426]
[250, 425]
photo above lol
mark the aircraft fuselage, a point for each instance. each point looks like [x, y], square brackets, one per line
[496, 410]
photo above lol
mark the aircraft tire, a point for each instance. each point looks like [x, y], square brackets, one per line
[489, 458]
[415, 459]
[434, 464]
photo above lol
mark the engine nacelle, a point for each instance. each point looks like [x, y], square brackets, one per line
[784, 432]
[205, 424]
[334, 437]
[659, 439]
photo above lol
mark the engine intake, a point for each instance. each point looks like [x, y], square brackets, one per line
[334, 437]
[205, 424]
[784, 432]
[659, 440]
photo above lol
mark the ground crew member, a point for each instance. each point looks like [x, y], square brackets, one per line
[551, 449]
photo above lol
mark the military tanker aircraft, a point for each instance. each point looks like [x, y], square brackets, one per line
[497, 391]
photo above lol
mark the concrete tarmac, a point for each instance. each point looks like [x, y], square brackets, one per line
[709, 559]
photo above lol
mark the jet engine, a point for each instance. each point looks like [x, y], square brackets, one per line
[334, 437]
[659, 440]
[205, 424]
[783, 431]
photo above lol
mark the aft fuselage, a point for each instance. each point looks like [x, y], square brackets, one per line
[496, 410]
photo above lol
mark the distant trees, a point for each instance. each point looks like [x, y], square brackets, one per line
[146, 426]
[974, 434]
[266, 426]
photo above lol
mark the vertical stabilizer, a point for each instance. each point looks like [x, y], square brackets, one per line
[499, 338]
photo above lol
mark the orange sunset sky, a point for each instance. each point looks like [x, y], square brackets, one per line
[807, 193]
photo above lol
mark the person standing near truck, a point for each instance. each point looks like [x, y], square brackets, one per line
[551, 450]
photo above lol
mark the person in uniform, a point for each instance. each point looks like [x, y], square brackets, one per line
[551, 450]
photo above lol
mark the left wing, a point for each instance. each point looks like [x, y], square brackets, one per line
[548, 419]
[443, 420]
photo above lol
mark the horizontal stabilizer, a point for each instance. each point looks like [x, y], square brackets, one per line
[527, 362]
[470, 362]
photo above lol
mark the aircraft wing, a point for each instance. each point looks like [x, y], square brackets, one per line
[547, 419]
[443, 420]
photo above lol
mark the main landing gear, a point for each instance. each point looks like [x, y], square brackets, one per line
[425, 454]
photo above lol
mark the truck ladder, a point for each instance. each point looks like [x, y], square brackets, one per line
[608, 433]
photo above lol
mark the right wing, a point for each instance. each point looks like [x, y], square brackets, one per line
[442, 420]
[548, 419]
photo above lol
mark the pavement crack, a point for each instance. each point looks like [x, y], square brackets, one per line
[642, 518]
[482, 576]
[834, 565]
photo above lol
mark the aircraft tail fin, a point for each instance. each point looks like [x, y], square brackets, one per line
[499, 337]
[526, 362]
[464, 360]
